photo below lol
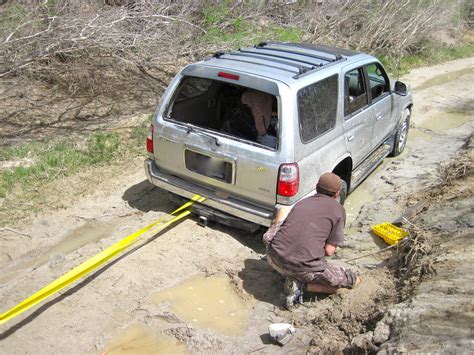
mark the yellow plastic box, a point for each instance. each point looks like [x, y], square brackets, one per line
[390, 233]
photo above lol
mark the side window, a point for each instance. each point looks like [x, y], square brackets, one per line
[355, 94]
[378, 80]
[317, 108]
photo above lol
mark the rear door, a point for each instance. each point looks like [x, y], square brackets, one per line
[358, 119]
[320, 134]
[227, 165]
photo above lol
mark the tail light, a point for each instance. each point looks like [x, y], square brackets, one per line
[288, 179]
[149, 139]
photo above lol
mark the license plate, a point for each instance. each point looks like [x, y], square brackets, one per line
[213, 167]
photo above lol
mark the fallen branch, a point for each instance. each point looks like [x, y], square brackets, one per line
[374, 253]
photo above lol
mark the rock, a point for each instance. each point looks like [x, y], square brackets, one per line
[55, 260]
[281, 332]
[363, 341]
[381, 333]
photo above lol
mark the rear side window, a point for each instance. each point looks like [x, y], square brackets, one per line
[355, 97]
[317, 108]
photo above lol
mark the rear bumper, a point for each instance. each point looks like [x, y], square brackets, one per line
[229, 205]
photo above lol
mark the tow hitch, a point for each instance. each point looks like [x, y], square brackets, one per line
[202, 221]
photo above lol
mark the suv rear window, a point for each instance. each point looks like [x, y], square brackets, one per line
[234, 110]
[317, 108]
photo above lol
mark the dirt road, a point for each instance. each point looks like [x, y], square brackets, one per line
[193, 289]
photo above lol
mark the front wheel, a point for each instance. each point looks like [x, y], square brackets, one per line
[401, 135]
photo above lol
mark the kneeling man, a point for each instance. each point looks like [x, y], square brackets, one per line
[302, 236]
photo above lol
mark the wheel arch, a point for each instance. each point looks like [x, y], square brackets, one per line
[407, 107]
[343, 169]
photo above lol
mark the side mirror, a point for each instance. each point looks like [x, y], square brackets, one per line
[401, 88]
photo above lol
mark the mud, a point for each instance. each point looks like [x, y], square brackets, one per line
[444, 121]
[112, 311]
[141, 341]
[437, 317]
[443, 78]
[208, 303]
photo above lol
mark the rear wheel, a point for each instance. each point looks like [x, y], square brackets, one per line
[401, 135]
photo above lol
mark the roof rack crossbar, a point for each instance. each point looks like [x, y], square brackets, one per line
[284, 61]
[304, 73]
[281, 47]
[300, 61]
[297, 71]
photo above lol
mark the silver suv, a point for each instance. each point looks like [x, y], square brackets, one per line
[253, 128]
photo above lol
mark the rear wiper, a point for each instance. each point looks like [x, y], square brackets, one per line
[190, 129]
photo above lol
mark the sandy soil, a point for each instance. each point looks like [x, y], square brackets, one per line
[170, 293]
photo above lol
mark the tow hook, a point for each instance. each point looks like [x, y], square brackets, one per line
[202, 221]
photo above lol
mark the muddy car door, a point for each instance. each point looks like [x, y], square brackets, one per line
[381, 102]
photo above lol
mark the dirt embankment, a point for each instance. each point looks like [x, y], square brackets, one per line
[438, 315]
[193, 289]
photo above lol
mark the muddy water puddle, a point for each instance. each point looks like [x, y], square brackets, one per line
[355, 201]
[444, 78]
[138, 340]
[444, 121]
[417, 134]
[86, 234]
[207, 302]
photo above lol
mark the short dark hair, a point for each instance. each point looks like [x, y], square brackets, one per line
[322, 191]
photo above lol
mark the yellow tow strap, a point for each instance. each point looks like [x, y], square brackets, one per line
[94, 262]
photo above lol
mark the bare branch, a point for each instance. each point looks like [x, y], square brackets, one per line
[33, 35]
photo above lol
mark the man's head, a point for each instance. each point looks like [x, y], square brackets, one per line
[329, 184]
[260, 104]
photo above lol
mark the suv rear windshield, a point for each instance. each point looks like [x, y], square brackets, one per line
[230, 109]
[317, 108]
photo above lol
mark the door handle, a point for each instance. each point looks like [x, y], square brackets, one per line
[378, 117]
[349, 138]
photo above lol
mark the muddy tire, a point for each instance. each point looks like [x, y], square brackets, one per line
[401, 135]
[343, 193]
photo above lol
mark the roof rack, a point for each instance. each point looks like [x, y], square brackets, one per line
[243, 58]
[300, 49]
[289, 57]
[264, 52]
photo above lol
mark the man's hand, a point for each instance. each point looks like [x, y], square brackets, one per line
[270, 233]
[329, 249]
[280, 216]
[281, 213]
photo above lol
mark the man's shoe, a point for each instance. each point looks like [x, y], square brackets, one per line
[357, 281]
[291, 285]
[292, 293]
